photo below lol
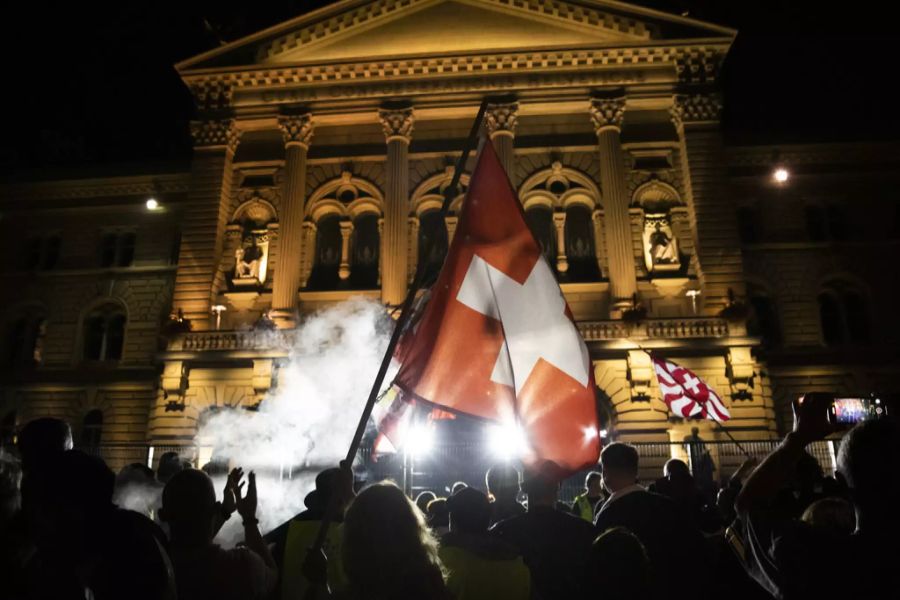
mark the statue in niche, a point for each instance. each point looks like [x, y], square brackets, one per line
[660, 245]
[247, 261]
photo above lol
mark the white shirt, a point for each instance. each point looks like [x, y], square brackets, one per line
[620, 493]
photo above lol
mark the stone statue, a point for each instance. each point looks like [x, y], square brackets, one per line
[247, 261]
[663, 250]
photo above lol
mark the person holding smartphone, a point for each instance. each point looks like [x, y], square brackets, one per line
[789, 558]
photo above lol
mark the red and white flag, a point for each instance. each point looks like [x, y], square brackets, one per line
[686, 394]
[497, 339]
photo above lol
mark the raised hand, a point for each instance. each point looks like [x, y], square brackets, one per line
[246, 504]
[229, 503]
[811, 420]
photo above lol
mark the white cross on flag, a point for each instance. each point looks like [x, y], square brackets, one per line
[496, 339]
[686, 394]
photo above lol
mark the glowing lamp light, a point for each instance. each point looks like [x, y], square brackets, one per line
[604, 434]
[152, 204]
[507, 441]
[781, 175]
[420, 440]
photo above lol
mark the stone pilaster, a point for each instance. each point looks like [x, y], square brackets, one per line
[501, 120]
[297, 131]
[712, 215]
[346, 233]
[607, 115]
[599, 242]
[562, 261]
[397, 125]
[205, 217]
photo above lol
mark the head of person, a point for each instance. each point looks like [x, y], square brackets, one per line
[619, 463]
[387, 547]
[832, 516]
[459, 485]
[470, 511]
[503, 481]
[593, 483]
[423, 499]
[541, 483]
[620, 566]
[869, 460]
[189, 507]
[695, 431]
[437, 513]
[42, 441]
[169, 464]
[675, 469]
[326, 485]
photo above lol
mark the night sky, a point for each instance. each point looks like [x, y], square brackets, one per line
[93, 84]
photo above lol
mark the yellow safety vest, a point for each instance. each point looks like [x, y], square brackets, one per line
[584, 507]
[300, 536]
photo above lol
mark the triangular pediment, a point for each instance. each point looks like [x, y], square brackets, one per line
[358, 30]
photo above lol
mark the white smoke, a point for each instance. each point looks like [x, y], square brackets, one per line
[308, 421]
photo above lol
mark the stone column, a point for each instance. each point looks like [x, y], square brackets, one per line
[597, 219]
[712, 215]
[297, 131]
[346, 232]
[199, 277]
[397, 125]
[562, 261]
[501, 121]
[607, 115]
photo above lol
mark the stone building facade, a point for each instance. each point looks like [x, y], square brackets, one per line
[323, 147]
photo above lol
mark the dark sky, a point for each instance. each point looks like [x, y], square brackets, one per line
[93, 83]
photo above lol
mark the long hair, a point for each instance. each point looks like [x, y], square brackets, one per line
[388, 550]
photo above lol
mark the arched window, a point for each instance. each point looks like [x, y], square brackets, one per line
[580, 253]
[763, 321]
[92, 429]
[432, 241]
[540, 221]
[26, 341]
[364, 264]
[844, 314]
[328, 254]
[104, 333]
[748, 224]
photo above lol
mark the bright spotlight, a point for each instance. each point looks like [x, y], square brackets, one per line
[507, 441]
[604, 434]
[152, 204]
[420, 440]
[781, 175]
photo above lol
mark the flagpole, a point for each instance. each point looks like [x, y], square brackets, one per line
[402, 320]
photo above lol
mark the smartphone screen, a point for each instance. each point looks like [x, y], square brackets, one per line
[848, 411]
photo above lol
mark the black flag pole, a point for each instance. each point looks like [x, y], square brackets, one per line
[399, 327]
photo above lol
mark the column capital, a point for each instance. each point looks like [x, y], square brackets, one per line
[607, 113]
[397, 124]
[502, 118]
[696, 108]
[296, 129]
[215, 133]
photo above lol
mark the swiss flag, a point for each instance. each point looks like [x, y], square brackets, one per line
[496, 339]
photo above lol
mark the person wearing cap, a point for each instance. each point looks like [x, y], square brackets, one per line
[292, 539]
[480, 566]
[503, 488]
[554, 544]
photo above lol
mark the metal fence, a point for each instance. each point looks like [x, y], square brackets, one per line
[446, 464]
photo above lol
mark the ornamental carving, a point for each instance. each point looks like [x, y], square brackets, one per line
[607, 112]
[660, 245]
[214, 133]
[697, 66]
[501, 119]
[296, 129]
[396, 124]
[696, 108]
[212, 95]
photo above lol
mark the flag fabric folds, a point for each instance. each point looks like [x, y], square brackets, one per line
[497, 339]
[686, 394]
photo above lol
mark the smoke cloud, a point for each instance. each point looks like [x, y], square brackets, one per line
[308, 421]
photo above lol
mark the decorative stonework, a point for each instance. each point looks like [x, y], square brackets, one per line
[698, 66]
[501, 119]
[397, 124]
[210, 134]
[296, 129]
[607, 112]
[213, 95]
[696, 108]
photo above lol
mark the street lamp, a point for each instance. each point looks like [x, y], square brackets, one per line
[692, 294]
[152, 204]
[781, 175]
[219, 309]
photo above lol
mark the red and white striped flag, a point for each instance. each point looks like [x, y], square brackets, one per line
[686, 394]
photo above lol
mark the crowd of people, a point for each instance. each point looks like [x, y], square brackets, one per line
[778, 528]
